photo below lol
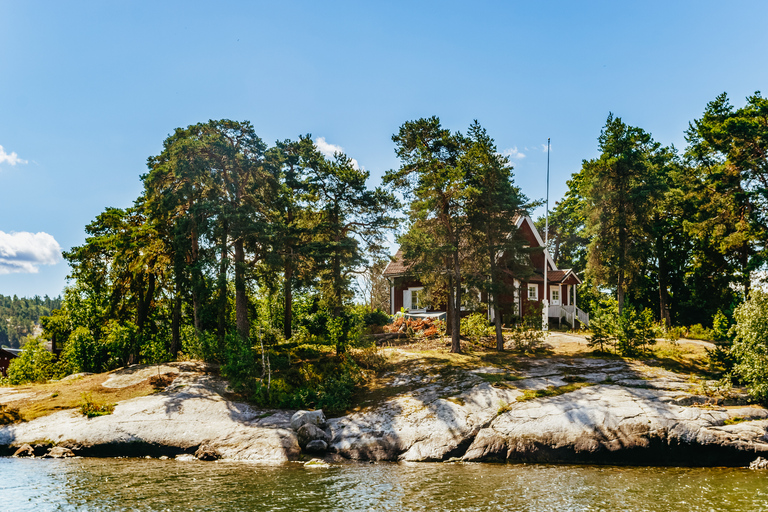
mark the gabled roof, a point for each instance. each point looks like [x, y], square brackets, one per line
[397, 266]
[554, 276]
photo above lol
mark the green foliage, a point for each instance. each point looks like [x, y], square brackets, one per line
[19, 316]
[527, 335]
[92, 409]
[750, 344]
[376, 317]
[83, 353]
[199, 345]
[721, 327]
[34, 364]
[630, 333]
[721, 359]
[475, 327]
[601, 325]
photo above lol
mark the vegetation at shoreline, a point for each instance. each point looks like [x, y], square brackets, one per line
[268, 259]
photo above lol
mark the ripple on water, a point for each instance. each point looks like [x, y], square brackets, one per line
[143, 485]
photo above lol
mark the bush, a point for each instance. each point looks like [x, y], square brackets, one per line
[628, 334]
[376, 317]
[527, 335]
[750, 344]
[475, 327]
[34, 364]
[88, 407]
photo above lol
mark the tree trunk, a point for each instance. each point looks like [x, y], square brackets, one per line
[222, 284]
[241, 300]
[176, 324]
[455, 334]
[620, 291]
[663, 287]
[449, 309]
[196, 283]
[495, 303]
[288, 290]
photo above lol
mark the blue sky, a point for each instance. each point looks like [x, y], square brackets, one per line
[89, 90]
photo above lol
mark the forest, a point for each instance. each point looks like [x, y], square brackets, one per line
[255, 256]
[21, 315]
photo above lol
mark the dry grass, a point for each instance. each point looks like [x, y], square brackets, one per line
[532, 394]
[57, 396]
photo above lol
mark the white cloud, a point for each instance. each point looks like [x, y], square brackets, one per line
[328, 149]
[12, 158]
[513, 153]
[24, 252]
[544, 147]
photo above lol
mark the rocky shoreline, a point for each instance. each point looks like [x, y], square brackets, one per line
[597, 411]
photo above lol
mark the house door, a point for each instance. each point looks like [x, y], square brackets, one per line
[554, 297]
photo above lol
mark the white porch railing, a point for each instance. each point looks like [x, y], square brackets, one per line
[570, 314]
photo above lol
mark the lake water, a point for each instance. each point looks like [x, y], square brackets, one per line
[142, 484]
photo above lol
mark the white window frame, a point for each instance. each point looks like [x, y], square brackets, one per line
[535, 289]
[408, 299]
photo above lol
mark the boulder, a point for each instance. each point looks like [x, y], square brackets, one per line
[25, 451]
[59, 452]
[316, 446]
[310, 432]
[303, 417]
[206, 452]
[759, 463]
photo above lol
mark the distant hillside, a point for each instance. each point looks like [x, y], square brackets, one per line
[18, 317]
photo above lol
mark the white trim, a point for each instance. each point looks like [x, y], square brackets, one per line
[392, 297]
[535, 232]
[408, 299]
[552, 300]
[528, 289]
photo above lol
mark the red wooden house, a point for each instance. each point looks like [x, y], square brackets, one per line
[6, 355]
[407, 291]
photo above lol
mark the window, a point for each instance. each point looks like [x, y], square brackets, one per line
[417, 297]
[533, 292]
[554, 297]
[414, 298]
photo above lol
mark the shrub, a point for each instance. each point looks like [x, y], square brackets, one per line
[376, 317]
[34, 364]
[750, 344]
[475, 327]
[90, 408]
[629, 334]
[199, 345]
[527, 335]
[699, 332]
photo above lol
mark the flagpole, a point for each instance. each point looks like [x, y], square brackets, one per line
[545, 325]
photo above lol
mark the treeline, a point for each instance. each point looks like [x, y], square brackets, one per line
[681, 233]
[18, 317]
[234, 245]
[228, 241]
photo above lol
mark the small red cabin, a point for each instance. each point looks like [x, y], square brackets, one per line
[6, 354]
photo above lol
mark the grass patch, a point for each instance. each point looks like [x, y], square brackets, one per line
[52, 397]
[680, 358]
[736, 419]
[9, 415]
[92, 409]
[496, 378]
[532, 394]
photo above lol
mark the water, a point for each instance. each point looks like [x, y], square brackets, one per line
[156, 485]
